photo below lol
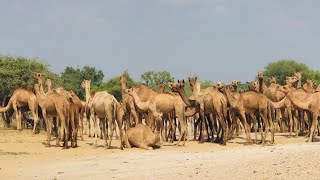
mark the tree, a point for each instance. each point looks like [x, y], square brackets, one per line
[73, 77]
[15, 72]
[153, 79]
[282, 68]
[113, 87]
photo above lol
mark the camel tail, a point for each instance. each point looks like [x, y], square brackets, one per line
[8, 107]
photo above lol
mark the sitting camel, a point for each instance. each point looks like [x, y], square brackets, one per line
[141, 136]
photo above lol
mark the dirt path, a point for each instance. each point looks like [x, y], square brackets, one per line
[23, 156]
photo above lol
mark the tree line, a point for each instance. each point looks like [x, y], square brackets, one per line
[15, 72]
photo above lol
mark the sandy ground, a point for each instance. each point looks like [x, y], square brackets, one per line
[23, 156]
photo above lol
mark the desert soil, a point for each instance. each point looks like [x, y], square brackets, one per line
[23, 156]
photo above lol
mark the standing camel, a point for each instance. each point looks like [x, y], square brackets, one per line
[22, 98]
[103, 106]
[251, 102]
[54, 105]
[211, 101]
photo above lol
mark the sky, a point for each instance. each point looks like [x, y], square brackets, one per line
[217, 40]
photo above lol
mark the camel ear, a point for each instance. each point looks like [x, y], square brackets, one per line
[287, 77]
[183, 81]
[189, 78]
[196, 78]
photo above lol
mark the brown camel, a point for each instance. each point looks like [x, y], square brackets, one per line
[302, 93]
[312, 104]
[20, 99]
[75, 114]
[211, 101]
[104, 105]
[54, 105]
[128, 103]
[162, 104]
[141, 136]
[251, 102]
[189, 101]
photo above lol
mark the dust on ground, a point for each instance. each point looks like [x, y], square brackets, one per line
[23, 156]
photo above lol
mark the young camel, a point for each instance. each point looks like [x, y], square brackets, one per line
[163, 104]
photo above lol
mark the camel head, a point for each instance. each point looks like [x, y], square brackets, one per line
[310, 83]
[260, 75]
[297, 75]
[161, 88]
[234, 83]
[254, 86]
[272, 80]
[285, 89]
[220, 85]
[39, 77]
[192, 80]
[176, 87]
[85, 84]
[129, 91]
[122, 80]
[290, 80]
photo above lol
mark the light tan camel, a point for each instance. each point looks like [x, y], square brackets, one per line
[251, 102]
[20, 99]
[54, 105]
[104, 106]
[211, 101]
[162, 104]
[141, 136]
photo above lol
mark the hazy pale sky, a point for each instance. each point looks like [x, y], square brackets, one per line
[217, 40]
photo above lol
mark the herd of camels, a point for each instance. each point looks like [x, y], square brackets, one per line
[145, 118]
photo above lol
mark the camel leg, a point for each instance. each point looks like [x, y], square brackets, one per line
[73, 128]
[48, 126]
[95, 124]
[254, 122]
[264, 115]
[142, 146]
[65, 127]
[246, 127]
[104, 125]
[195, 124]
[222, 121]
[202, 132]
[119, 123]
[313, 126]
[111, 122]
[126, 141]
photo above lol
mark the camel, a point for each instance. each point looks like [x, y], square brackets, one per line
[211, 101]
[312, 104]
[75, 113]
[141, 136]
[302, 93]
[251, 102]
[104, 105]
[162, 104]
[128, 102]
[54, 105]
[20, 99]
